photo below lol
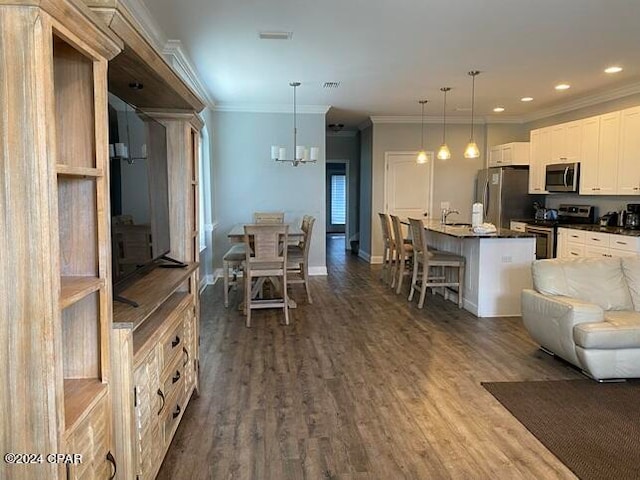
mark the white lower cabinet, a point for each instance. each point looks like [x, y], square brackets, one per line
[581, 243]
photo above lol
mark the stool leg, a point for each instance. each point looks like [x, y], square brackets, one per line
[460, 285]
[225, 276]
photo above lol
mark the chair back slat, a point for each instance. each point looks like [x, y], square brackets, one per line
[268, 217]
[418, 236]
[386, 230]
[308, 230]
[397, 231]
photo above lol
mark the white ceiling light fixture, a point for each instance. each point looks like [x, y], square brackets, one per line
[526, 99]
[301, 154]
[562, 86]
[613, 69]
[422, 155]
[443, 152]
[472, 150]
[498, 109]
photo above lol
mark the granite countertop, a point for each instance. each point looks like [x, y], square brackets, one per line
[598, 228]
[465, 231]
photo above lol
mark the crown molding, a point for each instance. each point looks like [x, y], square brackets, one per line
[366, 124]
[431, 119]
[342, 133]
[150, 29]
[270, 108]
[586, 101]
[181, 62]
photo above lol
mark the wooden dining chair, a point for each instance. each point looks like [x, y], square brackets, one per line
[403, 254]
[298, 257]
[268, 217]
[388, 254]
[427, 259]
[234, 260]
[267, 259]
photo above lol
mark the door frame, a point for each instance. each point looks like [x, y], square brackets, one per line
[347, 230]
[430, 164]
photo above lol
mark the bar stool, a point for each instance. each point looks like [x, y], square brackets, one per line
[423, 256]
[403, 253]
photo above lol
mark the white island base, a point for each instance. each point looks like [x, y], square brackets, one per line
[498, 268]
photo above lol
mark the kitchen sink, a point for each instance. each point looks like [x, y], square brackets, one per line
[457, 224]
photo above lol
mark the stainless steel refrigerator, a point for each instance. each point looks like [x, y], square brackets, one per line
[504, 193]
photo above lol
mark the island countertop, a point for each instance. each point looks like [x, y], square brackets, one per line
[465, 231]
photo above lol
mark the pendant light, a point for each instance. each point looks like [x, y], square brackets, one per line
[301, 154]
[443, 152]
[422, 155]
[472, 150]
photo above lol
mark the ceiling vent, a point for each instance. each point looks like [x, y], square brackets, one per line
[275, 35]
[331, 85]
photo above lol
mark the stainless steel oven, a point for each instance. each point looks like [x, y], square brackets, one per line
[545, 240]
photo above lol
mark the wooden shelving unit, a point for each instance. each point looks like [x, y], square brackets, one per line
[80, 396]
[81, 172]
[74, 289]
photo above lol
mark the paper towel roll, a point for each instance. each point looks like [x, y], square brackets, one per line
[477, 214]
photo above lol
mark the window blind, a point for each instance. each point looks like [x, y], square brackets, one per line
[338, 199]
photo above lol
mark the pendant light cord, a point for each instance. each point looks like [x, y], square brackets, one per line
[295, 130]
[422, 128]
[444, 118]
[473, 98]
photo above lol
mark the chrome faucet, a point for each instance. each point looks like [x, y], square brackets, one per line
[445, 213]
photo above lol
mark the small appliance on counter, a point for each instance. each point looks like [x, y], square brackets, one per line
[633, 216]
[609, 219]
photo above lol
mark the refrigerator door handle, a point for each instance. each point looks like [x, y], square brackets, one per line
[486, 199]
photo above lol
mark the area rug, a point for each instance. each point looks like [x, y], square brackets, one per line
[593, 428]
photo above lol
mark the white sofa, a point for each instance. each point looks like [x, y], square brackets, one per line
[587, 311]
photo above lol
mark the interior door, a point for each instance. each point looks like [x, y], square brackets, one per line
[408, 185]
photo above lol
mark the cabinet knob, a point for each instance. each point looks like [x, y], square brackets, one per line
[175, 342]
[177, 412]
[176, 377]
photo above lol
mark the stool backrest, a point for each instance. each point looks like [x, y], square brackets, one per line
[268, 244]
[268, 217]
[386, 230]
[418, 236]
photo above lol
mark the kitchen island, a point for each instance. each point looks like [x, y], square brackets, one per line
[498, 266]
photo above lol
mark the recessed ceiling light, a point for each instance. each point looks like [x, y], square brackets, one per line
[563, 86]
[613, 69]
[498, 109]
[526, 99]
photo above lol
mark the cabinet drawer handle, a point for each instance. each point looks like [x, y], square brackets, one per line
[159, 392]
[595, 239]
[186, 352]
[621, 243]
[175, 342]
[176, 378]
[574, 254]
[113, 462]
[177, 412]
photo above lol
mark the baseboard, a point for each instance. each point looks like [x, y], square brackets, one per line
[375, 259]
[205, 281]
[318, 271]
[364, 255]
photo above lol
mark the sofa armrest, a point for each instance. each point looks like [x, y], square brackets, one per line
[550, 320]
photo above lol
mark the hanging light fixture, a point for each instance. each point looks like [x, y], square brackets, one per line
[472, 150]
[422, 155]
[301, 154]
[443, 152]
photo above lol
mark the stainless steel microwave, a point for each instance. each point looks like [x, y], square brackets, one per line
[562, 177]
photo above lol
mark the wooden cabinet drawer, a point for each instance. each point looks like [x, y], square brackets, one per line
[597, 239]
[172, 417]
[577, 236]
[174, 379]
[575, 250]
[624, 242]
[172, 345]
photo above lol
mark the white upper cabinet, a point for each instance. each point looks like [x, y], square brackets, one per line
[514, 153]
[589, 156]
[599, 155]
[565, 142]
[629, 159]
[540, 154]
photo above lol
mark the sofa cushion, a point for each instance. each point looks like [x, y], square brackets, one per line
[631, 270]
[619, 330]
[597, 280]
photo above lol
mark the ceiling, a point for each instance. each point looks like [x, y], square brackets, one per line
[388, 54]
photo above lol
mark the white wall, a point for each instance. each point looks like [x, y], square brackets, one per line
[245, 179]
[454, 179]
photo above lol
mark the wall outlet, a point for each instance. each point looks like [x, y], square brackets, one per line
[444, 205]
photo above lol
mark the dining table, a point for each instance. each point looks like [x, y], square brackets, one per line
[295, 234]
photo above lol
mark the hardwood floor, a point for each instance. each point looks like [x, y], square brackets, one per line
[361, 385]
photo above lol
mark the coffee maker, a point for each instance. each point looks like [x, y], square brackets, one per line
[632, 218]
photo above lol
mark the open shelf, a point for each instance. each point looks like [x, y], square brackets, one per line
[80, 395]
[81, 172]
[150, 292]
[74, 289]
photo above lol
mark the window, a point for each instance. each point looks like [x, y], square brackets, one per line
[338, 199]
